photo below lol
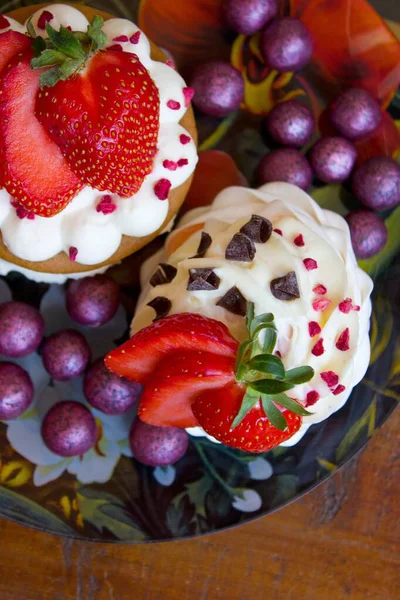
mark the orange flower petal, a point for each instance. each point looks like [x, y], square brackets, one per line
[384, 141]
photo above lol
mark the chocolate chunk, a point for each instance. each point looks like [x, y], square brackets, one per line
[161, 305]
[257, 229]
[205, 243]
[234, 301]
[285, 288]
[202, 279]
[240, 248]
[165, 274]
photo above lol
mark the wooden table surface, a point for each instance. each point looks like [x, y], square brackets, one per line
[341, 541]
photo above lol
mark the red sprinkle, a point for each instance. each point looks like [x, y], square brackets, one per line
[134, 39]
[320, 290]
[346, 305]
[312, 397]
[115, 47]
[4, 22]
[338, 390]
[343, 342]
[313, 328]
[188, 93]
[44, 18]
[278, 231]
[106, 205]
[73, 253]
[356, 308]
[184, 139]
[21, 212]
[161, 189]
[121, 38]
[321, 304]
[299, 240]
[170, 63]
[69, 28]
[30, 216]
[331, 378]
[182, 162]
[318, 349]
[173, 105]
[310, 264]
[171, 165]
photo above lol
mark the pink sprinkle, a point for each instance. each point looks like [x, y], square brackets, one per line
[320, 290]
[299, 240]
[278, 231]
[171, 165]
[44, 18]
[188, 93]
[21, 212]
[173, 105]
[184, 139]
[170, 63]
[30, 216]
[346, 305]
[73, 253]
[182, 162]
[343, 342]
[318, 349]
[310, 264]
[331, 378]
[115, 47]
[106, 206]
[338, 390]
[312, 397]
[4, 22]
[321, 304]
[356, 308]
[121, 38]
[134, 39]
[161, 189]
[313, 328]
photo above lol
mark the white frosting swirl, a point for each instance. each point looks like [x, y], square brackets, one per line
[326, 240]
[96, 235]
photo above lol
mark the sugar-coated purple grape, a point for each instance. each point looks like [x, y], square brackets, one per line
[66, 354]
[376, 183]
[69, 429]
[355, 113]
[286, 44]
[16, 391]
[93, 301]
[291, 124]
[21, 329]
[107, 392]
[157, 446]
[285, 164]
[218, 88]
[332, 159]
[249, 16]
[368, 233]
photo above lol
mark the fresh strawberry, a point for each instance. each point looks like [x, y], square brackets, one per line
[139, 357]
[176, 382]
[215, 411]
[36, 174]
[100, 107]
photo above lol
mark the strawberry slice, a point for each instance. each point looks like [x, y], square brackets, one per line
[36, 173]
[139, 356]
[178, 379]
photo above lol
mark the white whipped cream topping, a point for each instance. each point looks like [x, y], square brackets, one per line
[326, 240]
[96, 235]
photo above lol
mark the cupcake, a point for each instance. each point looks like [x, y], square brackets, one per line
[98, 141]
[257, 317]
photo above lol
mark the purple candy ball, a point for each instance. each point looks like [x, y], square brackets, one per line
[285, 164]
[107, 392]
[376, 183]
[291, 124]
[16, 391]
[218, 88]
[249, 16]
[93, 301]
[368, 233]
[332, 159]
[66, 354]
[69, 429]
[21, 329]
[157, 446]
[286, 44]
[355, 113]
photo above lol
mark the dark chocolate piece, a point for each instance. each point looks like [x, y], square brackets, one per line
[165, 274]
[240, 248]
[205, 243]
[257, 229]
[286, 287]
[234, 301]
[202, 279]
[161, 305]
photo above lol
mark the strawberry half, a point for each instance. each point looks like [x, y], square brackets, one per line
[35, 173]
[176, 382]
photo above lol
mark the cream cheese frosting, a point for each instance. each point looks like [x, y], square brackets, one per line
[334, 291]
[96, 234]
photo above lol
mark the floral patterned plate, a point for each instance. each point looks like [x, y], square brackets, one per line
[106, 495]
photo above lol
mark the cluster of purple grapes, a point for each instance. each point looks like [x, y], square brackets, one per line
[69, 428]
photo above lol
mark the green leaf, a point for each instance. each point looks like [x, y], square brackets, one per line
[249, 400]
[290, 404]
[48, 58]
[377, 264]
[270, 338]
[264, 319]
[240, 367]
[30, 29]
[273, 413]
[50, 77]
[38, 45]
[65, 41]
[334, 197]
[270, 386]
[96, 35]
[268, 363]
[249, 315]
[299, 375]
[69, 67]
